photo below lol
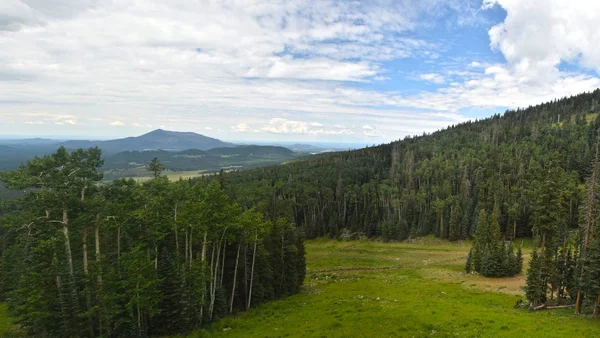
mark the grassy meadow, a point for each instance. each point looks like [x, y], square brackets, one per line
[419, 289]
[411, 289]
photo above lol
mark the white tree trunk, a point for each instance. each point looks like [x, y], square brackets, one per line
[252, 270]
[237, 259]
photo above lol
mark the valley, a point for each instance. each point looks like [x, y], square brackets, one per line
[184, 154]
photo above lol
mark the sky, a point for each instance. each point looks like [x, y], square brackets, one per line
[290, 70]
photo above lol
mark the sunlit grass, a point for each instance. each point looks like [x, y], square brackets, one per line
[375, 289]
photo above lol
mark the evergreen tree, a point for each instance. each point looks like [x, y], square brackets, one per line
[535, 290]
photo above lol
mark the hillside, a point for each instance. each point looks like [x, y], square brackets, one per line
[131, 163]
[438, 183]
[157, 139]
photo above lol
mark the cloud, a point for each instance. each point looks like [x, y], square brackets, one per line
[433, 77]
[241, 127]
[208, 128]
[538, 35]
[34, 122]
[65, 119]
[117, 124]
[370, 131]
[190, 64]
[283, 126]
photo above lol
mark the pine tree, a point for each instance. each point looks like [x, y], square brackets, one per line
[535, 290]
[480, 240]
[455, 222]
[468, 267]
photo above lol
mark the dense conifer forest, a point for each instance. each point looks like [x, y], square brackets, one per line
[527, 173]
[79, 258]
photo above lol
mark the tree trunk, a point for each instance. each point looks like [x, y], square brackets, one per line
[223, 262]
[442, 224]
[204, 247]
[69, 255]
[139, 313]
[590, 220]
[186, 245]
[176, 234]
[84, 236]
[97, 239]
[88, 295]
[211, 284]
[252, 271]
[60, 295]
[191, 246]
[119, 241]
[282, 259]
[237, 259]
[515, 229]
[155, 258]
[65, 229]
[215, 277]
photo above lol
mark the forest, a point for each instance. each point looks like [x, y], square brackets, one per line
[78, 258]
[529, 172]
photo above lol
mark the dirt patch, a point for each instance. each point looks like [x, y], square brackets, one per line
[505, 285]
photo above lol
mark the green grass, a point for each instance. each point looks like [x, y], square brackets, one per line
[7, 328]
[171, 175]
[361, 288]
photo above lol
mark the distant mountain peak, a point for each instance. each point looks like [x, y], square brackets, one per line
[156, 139]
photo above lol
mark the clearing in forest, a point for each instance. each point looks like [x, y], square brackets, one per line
[374, 289]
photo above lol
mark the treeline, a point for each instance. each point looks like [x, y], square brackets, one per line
[439, 183]
[529, 173]
[79, 258]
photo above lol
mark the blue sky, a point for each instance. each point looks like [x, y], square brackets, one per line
[297, 70]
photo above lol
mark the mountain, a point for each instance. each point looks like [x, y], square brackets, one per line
[157, 139]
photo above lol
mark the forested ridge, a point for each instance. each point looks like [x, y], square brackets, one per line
[438, 183]
[528, 172]
[78, 258]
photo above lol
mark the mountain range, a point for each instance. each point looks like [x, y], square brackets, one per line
[178, 151]
[157, 139]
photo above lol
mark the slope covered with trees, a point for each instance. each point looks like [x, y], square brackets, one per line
[439, 183]
[127, 259]
[528, 172]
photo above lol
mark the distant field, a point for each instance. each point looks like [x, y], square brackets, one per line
[372, 289]
[172, 175]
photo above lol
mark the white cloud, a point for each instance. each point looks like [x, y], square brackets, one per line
[249, 61]
[241, 127]
[283, 126]
[208, 128]
[34, 122]
[433, 77]
[370, 131]
[537, 35]
[117, 124]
